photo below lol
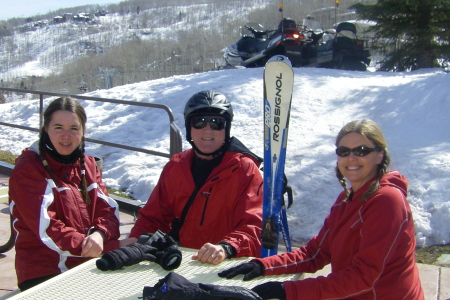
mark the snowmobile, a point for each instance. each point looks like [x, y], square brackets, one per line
[335, 49]
[305, 46]
[257, 45]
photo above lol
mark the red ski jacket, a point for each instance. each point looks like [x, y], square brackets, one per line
[51, 222]
[369, 244]
[228, 207]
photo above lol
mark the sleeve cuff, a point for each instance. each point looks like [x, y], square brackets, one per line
[229, 250]
[93, 229]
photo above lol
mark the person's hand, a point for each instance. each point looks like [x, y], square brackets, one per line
[211, 254]
[127, 241]
[92, 245]
[250, 270]
[270, 290]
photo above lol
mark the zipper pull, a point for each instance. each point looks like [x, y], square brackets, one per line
[205, 194]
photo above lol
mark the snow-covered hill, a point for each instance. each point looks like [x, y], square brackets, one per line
[412, 109]
[54, 44]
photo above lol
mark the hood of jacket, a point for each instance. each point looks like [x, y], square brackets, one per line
[395, 179]
[238, 147]
[34, 147]
[391, 179]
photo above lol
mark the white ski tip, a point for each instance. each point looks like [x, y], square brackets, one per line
[280, 58]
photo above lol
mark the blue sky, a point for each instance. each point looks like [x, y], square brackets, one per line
[25, 8]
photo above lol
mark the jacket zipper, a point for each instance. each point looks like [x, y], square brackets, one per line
[206, 195]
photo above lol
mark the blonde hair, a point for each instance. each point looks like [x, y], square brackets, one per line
[371, 131]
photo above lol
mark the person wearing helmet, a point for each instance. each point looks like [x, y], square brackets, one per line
[208, 197]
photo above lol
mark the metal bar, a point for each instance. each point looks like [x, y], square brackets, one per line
[12, 238]
[41, 110]
[19, 126]
[161, 106]
[175, 133]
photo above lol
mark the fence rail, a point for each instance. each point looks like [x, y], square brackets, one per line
[175, 133]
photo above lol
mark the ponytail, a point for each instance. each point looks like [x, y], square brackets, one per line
[83, 184]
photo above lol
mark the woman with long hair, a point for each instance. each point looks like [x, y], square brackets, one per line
[62, 213]
[368, 237]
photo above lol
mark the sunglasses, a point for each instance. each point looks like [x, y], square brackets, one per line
[215, 123]
[358, 151]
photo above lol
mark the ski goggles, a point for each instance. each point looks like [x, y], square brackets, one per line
[199, 122]
[358, 151]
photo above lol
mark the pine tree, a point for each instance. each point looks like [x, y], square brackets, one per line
[411, 34]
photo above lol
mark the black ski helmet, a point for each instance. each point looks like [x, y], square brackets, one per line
[209, 103]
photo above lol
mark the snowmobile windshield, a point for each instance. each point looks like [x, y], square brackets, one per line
[311, 24]
[251, 27]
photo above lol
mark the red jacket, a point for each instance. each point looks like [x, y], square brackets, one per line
[51, 223]
[369, 244]
[226, 208]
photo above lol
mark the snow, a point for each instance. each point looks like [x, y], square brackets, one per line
[53, 46]
[31, 68]
[411, 108]
[26, 8]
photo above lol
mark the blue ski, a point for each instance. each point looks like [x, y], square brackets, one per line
[278, 85]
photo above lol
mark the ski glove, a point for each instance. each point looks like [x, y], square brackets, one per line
[175, 287]
[156, 247]
[168, 255]
[250, 271]
[270, 290]
[159, 240]
[126, 256]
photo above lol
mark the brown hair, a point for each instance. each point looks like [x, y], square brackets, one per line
[370, 130]
[66, 104]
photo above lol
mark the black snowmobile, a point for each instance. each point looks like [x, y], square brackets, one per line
[336, 49]
[257, 45]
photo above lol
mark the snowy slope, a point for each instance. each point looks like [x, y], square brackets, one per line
[412, 109]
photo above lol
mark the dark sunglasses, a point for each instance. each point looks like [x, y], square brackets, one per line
[358, 151]
[200, 122]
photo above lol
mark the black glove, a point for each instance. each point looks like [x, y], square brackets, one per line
[250, 270]
[159, 240]
[270, 290]
[175, 287]
[168, 255]
[126, 256]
